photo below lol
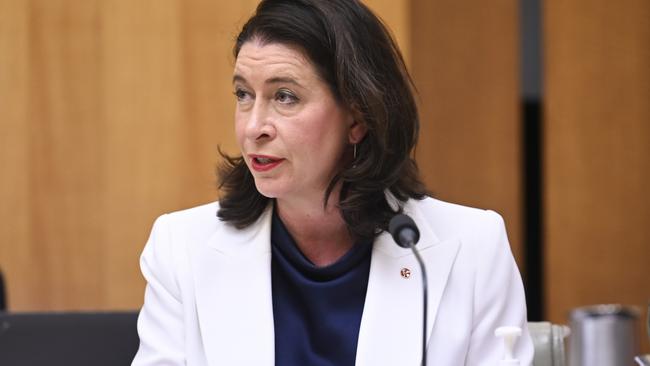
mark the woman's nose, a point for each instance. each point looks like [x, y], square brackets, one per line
[259, 125]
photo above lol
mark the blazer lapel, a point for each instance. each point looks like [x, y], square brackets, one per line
[233, 295]
[391, 325]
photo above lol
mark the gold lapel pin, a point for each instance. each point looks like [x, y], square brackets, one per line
[405, 273]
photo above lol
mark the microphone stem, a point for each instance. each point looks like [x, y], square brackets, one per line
[425, 297]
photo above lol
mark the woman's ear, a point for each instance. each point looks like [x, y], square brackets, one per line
[357, 132]
[358, 127]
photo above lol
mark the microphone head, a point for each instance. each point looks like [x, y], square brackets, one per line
[403, 230]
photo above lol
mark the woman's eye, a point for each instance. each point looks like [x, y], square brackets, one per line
[241, 95]
[286, 97]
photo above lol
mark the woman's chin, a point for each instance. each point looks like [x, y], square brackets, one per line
[268, 190]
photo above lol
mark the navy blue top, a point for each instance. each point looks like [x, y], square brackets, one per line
[316, 310]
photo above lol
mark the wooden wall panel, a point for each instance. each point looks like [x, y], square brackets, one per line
[65, 167]
[112, 113]
[16, 253]
[148, 155]
[596, 153]
[465, 65]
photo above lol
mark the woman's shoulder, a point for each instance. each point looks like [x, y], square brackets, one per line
[453, 220]
[198, 221]
[194, 215]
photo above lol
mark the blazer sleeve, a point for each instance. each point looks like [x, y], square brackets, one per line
[160, 323]
[499, 300]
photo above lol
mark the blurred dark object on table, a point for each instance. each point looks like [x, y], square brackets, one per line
[68, 338]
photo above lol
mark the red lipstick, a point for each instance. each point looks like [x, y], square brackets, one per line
[264, 163]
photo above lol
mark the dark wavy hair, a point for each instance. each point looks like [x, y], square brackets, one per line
[356, 56]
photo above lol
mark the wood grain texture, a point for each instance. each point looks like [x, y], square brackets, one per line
[112, 114]
[16, 253]
[465, 65]
[597, 154]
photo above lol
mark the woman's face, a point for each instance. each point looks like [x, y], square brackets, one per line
[291, 130]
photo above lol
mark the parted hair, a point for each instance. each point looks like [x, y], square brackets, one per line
[356, 56]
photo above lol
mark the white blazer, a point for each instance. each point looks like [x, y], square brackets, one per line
[208, 294]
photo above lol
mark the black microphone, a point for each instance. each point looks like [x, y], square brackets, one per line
[406, 235]
[404, 231]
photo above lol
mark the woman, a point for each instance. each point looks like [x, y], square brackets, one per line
[298, 268]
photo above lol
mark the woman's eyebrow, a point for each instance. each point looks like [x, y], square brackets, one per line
[238, 78]
[274, 80]
[283, 79]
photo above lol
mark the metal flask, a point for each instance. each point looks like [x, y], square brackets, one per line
[603, 335]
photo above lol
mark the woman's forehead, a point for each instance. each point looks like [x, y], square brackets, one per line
[276, 59]
[259, 51]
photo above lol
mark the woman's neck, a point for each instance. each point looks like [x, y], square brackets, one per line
[319, 232]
